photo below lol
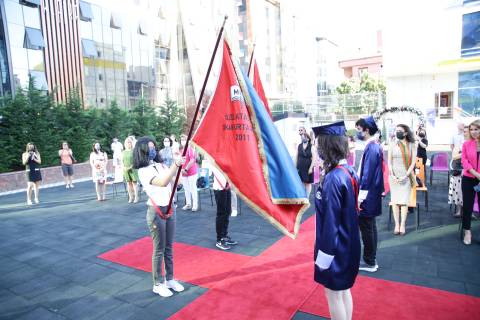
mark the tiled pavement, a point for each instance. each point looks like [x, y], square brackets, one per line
[49, 267]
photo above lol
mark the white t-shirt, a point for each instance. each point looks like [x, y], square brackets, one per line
[117, 148]
[457, 141]
[161, 195]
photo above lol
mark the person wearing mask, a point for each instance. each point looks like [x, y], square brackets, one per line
[371, 189]
[98, 163]
[175, 144]
[458, 138]
[401, 164]
[130, 174]
[156, 179]
[337, 241]
[422, 144]
[471, 178]
[66, 161]
[304, 160]
[189, 176]
[455, 187]
[31, 160]
[166, 154]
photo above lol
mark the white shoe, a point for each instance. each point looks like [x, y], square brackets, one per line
[234, 213]
[36, 201]
[186, 207]
[162, 290]
[67, 186]
[29, 202]
[174, 285]
[71, 185]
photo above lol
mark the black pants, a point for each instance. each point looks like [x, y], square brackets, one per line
[468, 199]
[368, 229]
[223, 198]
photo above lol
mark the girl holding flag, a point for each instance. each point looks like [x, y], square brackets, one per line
[337, 240]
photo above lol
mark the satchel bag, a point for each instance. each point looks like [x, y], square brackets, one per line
[457, 167]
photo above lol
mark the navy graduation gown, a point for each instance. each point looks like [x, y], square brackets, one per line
[371, 180]
[337, 242]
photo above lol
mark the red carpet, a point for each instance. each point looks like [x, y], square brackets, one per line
[380, 299]
[196, 265]
[279, 282]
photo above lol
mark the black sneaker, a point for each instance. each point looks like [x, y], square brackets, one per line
[222, 245]
[368, 267]
[229, 241]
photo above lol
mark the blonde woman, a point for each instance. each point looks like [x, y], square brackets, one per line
[98, 162]
[32, 160]
[401, 163]
[470, 178]
[129, 173]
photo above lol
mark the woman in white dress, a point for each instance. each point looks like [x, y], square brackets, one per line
[98, 162]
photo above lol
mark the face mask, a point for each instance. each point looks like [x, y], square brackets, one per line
[152, 153]
[400, 135]
[166, 144]
[421, 135]
[183, 142]
[360, 136]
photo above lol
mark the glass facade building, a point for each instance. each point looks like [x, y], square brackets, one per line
[21, 37]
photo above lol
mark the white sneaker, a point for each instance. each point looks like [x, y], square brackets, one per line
[174, 285]
[29, 203]
[36, 201]
[186, 207]
[234, 213]
[162, 290]
[67, 186]
[71, 185]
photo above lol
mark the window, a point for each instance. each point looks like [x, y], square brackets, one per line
[362, 71]
[163, 53]
[86, 13]
[99, 53]
[89, 49]
[115, 21]
[469, 92]
[31, 17]
[39, 80]
[100, 77]
[33, 39]
[30, 3]
[471, 34]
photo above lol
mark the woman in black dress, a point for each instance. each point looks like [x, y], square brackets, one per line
[32, 160]
[304, 161]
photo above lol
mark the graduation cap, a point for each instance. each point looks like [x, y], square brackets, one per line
[333, 129]
[371, 123]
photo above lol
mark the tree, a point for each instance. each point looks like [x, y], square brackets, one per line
[172, 119]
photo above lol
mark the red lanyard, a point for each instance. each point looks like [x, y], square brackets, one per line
[354, 185]
[227, 186]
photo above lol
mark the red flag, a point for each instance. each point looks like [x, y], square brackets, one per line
[257, 84]
[227, 138]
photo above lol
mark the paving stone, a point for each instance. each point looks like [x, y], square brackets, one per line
[37, 285]
[18, 276]
[90, 307]
[41, 313]
[438, 283]
[62, 296]
[114, 282]
[89, 274]
[11, 303]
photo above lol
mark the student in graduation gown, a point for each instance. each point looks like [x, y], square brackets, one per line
[371, 188]
[337, 240]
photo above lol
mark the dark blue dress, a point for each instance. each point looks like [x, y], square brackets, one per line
[337, 243]
[371, 180]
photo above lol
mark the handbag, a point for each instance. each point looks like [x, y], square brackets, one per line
[457, 167]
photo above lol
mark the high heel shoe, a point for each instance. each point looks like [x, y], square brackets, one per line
[396, 231]
[467, 237]
[402, 231]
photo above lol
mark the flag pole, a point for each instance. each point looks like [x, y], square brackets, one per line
[251, 60]
[199, 102]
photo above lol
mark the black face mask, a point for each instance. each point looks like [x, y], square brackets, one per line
[400, 135]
